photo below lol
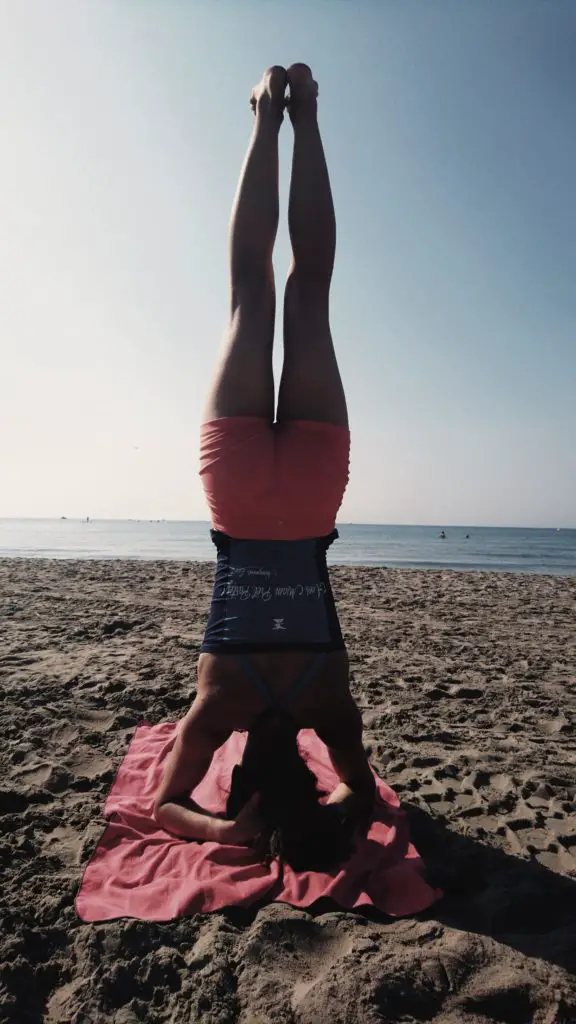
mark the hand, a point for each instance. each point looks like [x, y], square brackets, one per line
[248, 823]
[343, 796]
[356, 805]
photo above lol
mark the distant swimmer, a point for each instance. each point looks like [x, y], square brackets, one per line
[467, 537]
[442, 535]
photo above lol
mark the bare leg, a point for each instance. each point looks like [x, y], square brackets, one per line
[310, 386]
[244, 381]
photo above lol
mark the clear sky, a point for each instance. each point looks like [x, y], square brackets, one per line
[449, 130]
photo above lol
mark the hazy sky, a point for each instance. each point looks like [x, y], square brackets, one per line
[449, 130]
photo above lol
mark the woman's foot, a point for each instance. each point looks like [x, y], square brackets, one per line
[303, 99]
[268, 97]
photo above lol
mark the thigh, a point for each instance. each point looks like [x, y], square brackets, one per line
[311, 386]
[244, 381]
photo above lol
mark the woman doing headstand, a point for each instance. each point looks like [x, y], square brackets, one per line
[273, 660]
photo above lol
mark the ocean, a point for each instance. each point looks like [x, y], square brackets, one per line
[416, 547]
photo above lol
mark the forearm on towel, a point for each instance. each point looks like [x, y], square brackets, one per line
[188, 820]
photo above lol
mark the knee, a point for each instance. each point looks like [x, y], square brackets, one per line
[306, 294]
[252, 291]
[310, 281]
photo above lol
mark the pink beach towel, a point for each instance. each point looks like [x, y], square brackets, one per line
[140, 871]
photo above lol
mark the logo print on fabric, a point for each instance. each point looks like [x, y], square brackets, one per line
[278, 624]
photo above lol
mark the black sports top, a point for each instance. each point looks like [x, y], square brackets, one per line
[271, 596]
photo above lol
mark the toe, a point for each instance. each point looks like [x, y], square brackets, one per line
[276, 78]
[299, 74]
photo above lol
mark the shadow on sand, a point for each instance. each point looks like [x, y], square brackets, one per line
[519, 903]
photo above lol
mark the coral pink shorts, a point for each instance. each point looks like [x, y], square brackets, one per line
[281, 481]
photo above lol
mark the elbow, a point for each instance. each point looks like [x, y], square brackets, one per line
[158, 812]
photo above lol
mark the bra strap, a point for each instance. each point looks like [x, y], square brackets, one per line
[255, 678]
[308, 675]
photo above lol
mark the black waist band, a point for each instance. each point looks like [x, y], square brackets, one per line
[272, 596]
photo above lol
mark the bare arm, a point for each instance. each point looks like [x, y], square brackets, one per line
[357, 789]
[342, 734]
[187, 764]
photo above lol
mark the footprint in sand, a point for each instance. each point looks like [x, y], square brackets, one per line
[89, 766]
[65, 844]
[424, 761]
[463, 692]
[477, 779]
[96, 721]
[502, 783]
[304, 951]
[35, 775]
[61, 1004]
[68, 735]
[319, 964]
[554, 726]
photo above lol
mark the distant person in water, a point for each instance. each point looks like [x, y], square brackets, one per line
[273, 659]
[442, 535]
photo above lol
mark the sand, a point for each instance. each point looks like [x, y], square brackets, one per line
[467, 684]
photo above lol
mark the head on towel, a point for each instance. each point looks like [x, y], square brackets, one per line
[297, 828]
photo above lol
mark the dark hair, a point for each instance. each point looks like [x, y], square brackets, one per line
[297, 828]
